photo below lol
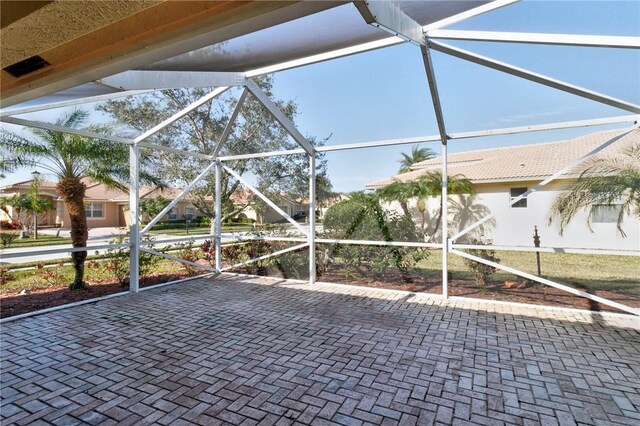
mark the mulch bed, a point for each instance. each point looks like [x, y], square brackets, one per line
[13, 303]
[534, 293]
[537, 294]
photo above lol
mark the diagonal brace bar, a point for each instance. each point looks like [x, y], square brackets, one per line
[535, 77]
[203, 100]
[548, 282]
[177, 199]
[266, 256]
[279, 116]
[266, 199]
[554, 176]
[227, 130]
[177, 259]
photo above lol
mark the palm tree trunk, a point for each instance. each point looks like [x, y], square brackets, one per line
[405, 208]
[72, 192]
[437, 222]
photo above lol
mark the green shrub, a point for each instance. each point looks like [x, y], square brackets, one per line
[362, 218]
[7, 238]
[481, 272]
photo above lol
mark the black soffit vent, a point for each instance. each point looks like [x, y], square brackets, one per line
[27, 66]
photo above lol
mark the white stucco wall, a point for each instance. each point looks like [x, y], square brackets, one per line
[514, 226]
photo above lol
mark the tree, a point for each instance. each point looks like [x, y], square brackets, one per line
[24, 207]
[151, 207]
[254, 131]
[72, 159]
[610, 179]
[421, 189]
[417, 155]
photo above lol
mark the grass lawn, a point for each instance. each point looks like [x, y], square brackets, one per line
[593, 272]
[197, 230]
[63, 275]
[43, 240]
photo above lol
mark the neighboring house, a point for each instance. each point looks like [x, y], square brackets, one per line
[265, 214]
[498, 175]
[104, 206]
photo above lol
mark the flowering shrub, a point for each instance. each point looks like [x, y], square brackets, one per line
[52, 277]
[10, 225]
[187, 252]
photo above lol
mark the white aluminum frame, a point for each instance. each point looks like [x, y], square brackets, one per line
[382, 15]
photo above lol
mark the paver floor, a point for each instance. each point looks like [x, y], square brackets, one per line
[253, 351]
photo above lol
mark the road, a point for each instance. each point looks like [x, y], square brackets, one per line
[97, 237]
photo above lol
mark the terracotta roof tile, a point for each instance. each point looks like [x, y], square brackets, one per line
[514, 163]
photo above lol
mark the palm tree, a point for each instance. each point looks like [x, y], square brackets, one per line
[71, 159]
[421, 189]
[610, 180]
[417, 155]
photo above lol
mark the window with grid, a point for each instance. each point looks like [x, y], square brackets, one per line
[515, 193]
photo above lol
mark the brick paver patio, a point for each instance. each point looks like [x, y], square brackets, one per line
[251, 351]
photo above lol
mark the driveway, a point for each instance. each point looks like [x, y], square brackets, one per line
[245, 351]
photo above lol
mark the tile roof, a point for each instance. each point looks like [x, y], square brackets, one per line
[513, 163]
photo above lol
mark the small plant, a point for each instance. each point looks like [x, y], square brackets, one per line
[147, 262]
[52, 277]
[481, 272]
[7, 238]
[92, 270]
[5, 277]
[118, 264]
[208, 251]
[187, 252]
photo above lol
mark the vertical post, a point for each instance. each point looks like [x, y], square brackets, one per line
[312, 218]
[134, 215]
[445, 223]
[435, 98]
[218, 210]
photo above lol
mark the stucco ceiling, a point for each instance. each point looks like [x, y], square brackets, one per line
[57, 22]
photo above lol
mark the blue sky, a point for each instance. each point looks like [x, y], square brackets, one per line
[383, 94]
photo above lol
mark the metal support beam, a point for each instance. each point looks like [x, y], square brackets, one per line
[203, 100]
[159, 80]
[70, 102]
[155, 146]
[266, 200]
[229, 127]
[496, 4]
[435, 98]
[279, 116]
[554, 176]
[390, 18]
[266, 256]
[539, 38]
[535, 77]
[177, 259]
[62, 129]
[218, 209]
[134, 214]
[180, 196]
[548, 282]
[312, 219]
[545, 127]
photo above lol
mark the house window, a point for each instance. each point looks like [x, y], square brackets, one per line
[173, 214]
[603, 213]
[515, 193]
[189, 212]
[94, 210]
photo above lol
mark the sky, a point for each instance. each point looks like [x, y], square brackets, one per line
[383, 94]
